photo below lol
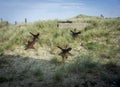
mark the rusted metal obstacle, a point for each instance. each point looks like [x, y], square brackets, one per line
[30, 44]
[75, 33]
[65, 52]
[35, 36]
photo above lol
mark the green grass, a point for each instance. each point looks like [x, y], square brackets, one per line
[94, 46]
[110, 73]
[55, 60]
[58, 75]
[4, 79]
[96, 56]
[4, 62]
[83, 63]
[51, 36]
[38, 74]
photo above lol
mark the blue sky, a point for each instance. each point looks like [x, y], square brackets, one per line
[34, 10]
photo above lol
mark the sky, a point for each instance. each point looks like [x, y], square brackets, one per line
[34, 10]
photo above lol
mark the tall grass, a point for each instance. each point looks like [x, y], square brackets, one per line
[83, 63]
[51, 35]
[100, 39]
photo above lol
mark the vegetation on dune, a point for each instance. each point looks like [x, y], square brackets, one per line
[94, 59]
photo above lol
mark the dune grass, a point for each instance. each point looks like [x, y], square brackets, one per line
[95, 52]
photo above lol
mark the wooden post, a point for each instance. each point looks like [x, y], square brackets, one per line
[15, 22]
[25, 20]
[101, 16]
[1, 20]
